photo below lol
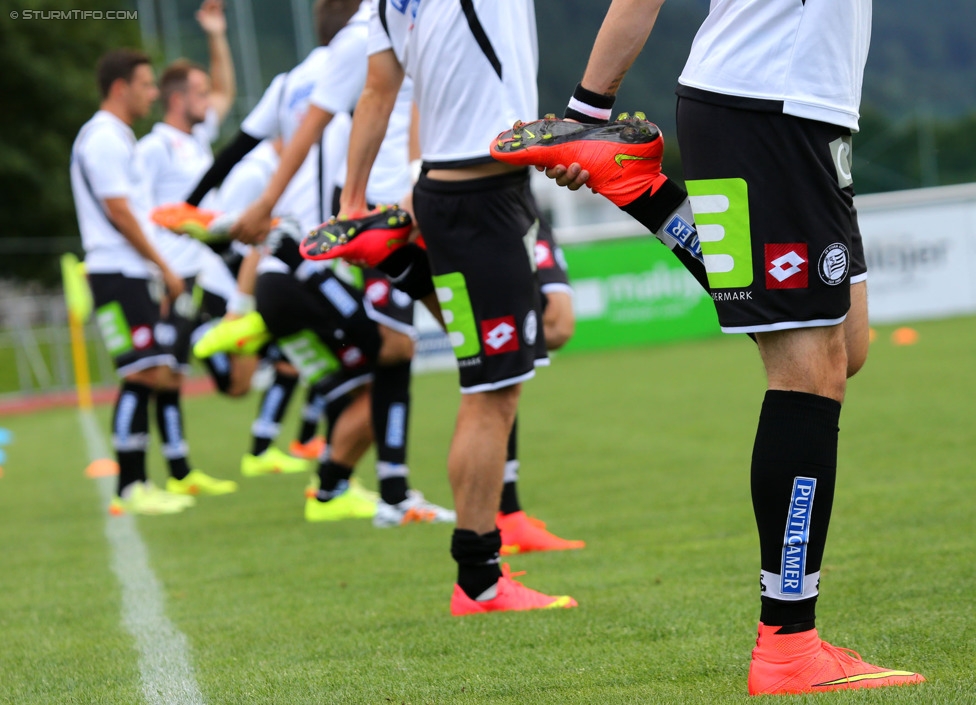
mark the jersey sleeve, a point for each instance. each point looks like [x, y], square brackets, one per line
[262, 122]
[337, 90]
[378, 40]
[107, 161]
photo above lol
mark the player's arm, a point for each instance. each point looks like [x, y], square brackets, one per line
[127, 224]
[625, 29]
[213, 22]
[383, 79]
[255, 222]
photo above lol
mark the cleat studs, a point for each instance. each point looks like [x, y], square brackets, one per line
[517, 126]
[517, 144]
[622, 117]
[640, 116]
[549, 116]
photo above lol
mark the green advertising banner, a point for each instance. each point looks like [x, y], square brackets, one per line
[634, 291]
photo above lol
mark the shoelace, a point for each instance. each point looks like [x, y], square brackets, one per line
[507, 573]
[843, 657]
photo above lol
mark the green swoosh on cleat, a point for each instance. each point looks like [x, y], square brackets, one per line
[620, 158]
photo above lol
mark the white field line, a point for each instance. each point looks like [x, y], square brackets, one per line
[164, 651]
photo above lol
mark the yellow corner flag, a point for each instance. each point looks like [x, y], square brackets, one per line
[78, 299]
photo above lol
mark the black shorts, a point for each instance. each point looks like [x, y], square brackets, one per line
[774, 207]
[320, 332]
[128, 319]
[182, 320]
[479, 236]
[549, 259]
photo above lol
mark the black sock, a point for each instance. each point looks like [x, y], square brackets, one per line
[331, 474]
[390, 411]
[273, 405]
[794, 468]
[169, 420]
[510, 502]
[409, 270]
[286, 249]
[130, 429]
[311, 414]
[666, 214]
[477, 559]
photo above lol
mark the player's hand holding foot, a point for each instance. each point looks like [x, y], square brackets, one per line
[619, 160]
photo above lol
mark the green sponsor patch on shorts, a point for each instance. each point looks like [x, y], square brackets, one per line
[452, 293]
[721, 208]
[114, 328]
[311, 357]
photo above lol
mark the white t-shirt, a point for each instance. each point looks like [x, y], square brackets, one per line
[476, 70]
[104, 165]
[248, 179]
[808, 55]
[173, 162]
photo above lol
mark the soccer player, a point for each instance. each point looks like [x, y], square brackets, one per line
[521, 533]
[173, 156]
[766, 111]
[339, 77]
[122, 265]
[473, 68]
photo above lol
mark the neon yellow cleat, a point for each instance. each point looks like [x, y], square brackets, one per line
[244, 336]
[346, 505]
[200, 483]
[146, 498]
[271, 462]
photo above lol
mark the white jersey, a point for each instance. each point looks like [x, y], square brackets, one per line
[806, 57]
[389, 179]
[248, 179]
[173, 162]
[474, 71]
[104, 165]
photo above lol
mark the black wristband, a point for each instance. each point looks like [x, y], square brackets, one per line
[589, 107]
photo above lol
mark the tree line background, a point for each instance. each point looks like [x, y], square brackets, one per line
[918, 126]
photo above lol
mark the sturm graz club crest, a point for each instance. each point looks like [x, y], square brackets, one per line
[834, 264]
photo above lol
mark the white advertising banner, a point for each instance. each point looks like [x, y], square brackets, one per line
[921, 253]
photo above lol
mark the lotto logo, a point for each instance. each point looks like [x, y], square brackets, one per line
[351, 357]
[377, 292]
[499, 335]
[142, 337]
[787, 265]
[543, 256]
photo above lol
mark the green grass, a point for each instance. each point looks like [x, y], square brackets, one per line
[643, 453]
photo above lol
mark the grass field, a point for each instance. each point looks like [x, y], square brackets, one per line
[643, 453]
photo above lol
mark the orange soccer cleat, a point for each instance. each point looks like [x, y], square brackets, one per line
[623, 157]
[363, 241]
[512, 596]
[522, 534]
[784, 664]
